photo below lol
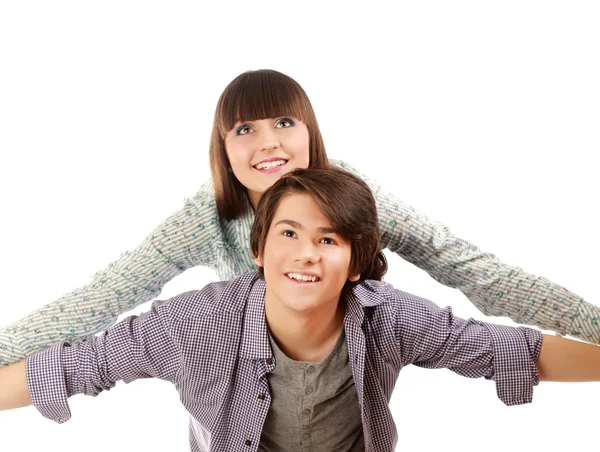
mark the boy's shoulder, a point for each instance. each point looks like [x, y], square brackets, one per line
[384, 301]
[218, 298]
[373, 293]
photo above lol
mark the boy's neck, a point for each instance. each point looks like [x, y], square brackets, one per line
[308, 336]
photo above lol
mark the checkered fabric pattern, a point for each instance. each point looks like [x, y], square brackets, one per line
[213, 346]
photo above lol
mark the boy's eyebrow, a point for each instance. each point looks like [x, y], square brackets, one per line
[295, 224]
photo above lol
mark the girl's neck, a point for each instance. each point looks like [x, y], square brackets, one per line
[253, 197]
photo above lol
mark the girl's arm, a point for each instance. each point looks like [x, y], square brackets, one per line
[495, 288]
[184, 240]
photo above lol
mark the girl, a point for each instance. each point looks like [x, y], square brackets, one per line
[265, 127]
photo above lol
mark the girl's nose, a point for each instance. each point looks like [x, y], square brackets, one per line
[268, 140]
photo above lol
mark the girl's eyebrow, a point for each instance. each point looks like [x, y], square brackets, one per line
[295, 224]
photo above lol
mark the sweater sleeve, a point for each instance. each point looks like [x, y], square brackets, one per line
[185, 239]
[495, 288]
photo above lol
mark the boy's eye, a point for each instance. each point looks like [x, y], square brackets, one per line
[284, 123]
[328, 241]
[244, 129]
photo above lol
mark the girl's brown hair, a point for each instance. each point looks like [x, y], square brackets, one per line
[250, 96]
[345, 200]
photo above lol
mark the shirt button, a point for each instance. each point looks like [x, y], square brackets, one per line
[305, 411]
[309, 390]
[269, 361]
[310, 370]
[305, 435]
[248, 442]
[261, 397]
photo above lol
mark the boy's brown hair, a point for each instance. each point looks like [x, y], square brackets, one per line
[250, 96]
[345, 200]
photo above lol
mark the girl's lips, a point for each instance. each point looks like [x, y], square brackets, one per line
[271, 170]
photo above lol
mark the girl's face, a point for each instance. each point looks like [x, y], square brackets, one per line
[262, 151]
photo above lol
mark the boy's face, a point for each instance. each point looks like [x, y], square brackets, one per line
[305, 262]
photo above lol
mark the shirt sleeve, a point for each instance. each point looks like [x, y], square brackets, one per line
[431, 337]
[137, 347]
[494, 287]
[185, 239]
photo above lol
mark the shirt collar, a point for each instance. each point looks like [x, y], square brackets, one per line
[365, 294]
[255, 335]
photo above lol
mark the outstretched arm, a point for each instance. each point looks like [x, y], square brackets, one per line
[13, 382]
[566, 360]
[495, 288]
[137, 347]
[184, 240]
[515, 358]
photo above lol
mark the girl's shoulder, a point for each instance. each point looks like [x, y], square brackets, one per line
[206, 193]
[372, 183]
[204, 200]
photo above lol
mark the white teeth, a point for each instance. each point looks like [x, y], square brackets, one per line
[299, 277]
[269, 165]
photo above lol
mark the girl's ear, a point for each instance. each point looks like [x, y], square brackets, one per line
[258, 261]
[354, 278]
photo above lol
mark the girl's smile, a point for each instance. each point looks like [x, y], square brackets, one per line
[271, 165]
[263, 150]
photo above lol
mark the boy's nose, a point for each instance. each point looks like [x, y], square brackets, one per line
[308, 253]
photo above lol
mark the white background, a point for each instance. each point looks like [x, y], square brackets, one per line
[484, 115]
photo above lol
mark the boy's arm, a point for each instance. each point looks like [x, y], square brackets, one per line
[432, 337]
[137, 347]
[13, 381]
[565, 360]
[515, 358]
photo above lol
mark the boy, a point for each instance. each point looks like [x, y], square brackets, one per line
[306, 352]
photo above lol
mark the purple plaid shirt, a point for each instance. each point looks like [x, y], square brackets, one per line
[213, 346]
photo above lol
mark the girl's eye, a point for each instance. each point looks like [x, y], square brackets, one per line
[289, 233]
[328, 241]
[244, 129]
[284, 123]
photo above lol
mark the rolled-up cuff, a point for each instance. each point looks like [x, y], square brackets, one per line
[516, 351]
[46, 381]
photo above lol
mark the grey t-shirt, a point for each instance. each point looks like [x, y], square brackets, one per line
[314, 406]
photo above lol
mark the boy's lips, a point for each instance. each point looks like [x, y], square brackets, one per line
[303, 277]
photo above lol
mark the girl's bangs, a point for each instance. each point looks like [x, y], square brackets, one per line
[260, 96]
